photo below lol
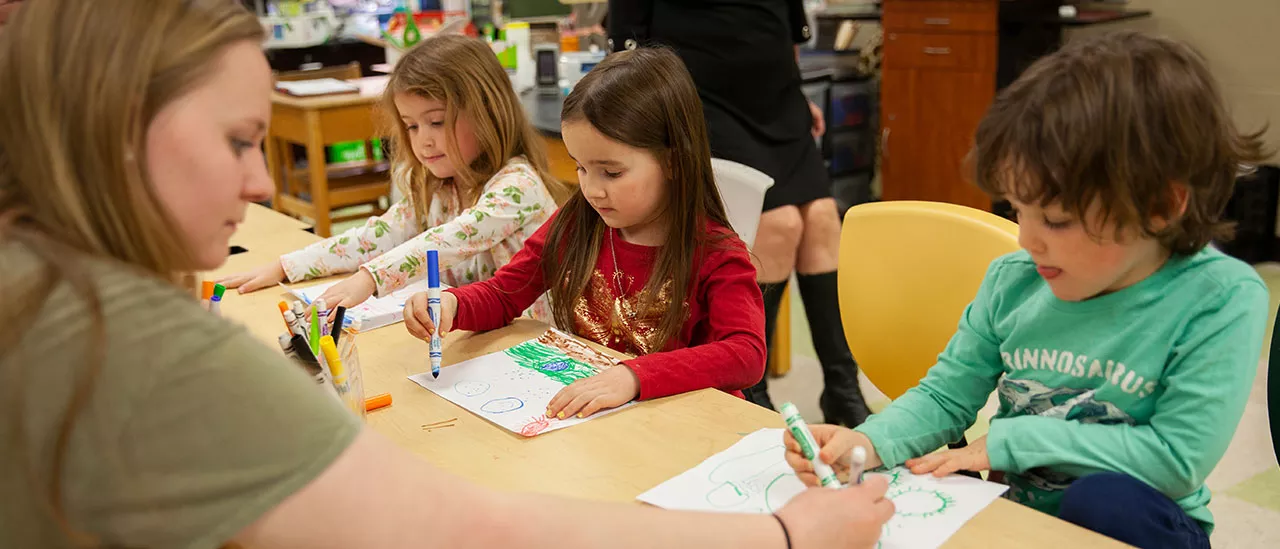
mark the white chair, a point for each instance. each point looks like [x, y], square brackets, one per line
[742, 189]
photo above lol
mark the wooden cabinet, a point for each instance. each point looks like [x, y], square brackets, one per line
[938, 78]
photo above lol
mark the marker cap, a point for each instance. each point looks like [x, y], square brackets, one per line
[433, 269]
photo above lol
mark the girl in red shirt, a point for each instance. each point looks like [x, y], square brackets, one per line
[642, 258]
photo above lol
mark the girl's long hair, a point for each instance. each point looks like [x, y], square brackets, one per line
[642, 98]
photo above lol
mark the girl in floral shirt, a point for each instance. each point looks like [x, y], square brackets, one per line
[473, 171]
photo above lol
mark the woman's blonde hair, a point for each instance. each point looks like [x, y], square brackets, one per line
[81, 82]
[465, 75]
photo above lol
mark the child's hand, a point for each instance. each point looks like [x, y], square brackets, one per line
[257, 279]
[609, 389]
[970, 458]
[356, 289]
[417, 317]
[837, 445]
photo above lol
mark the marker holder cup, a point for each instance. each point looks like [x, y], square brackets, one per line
[353, 398]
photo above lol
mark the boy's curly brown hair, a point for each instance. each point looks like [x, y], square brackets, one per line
[1117, 120]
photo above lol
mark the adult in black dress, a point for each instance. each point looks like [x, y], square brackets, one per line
[742, 55]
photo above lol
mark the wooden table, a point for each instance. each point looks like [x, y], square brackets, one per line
[315, 122]
[615, 457]
[262, 225]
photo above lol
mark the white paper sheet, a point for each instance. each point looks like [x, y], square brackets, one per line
[374, 313]
[318, 86]
[752, 476]
[512, 388]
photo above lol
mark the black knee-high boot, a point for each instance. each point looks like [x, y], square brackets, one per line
[841, 400]
[759, 393]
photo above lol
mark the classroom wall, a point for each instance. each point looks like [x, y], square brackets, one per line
[1241, 40]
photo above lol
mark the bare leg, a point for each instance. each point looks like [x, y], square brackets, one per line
[776, 242]
[819, 249]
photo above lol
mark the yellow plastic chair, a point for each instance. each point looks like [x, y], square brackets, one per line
[907, 272]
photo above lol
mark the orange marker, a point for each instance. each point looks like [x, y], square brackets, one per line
[374, 402]
[206, 293]
[284, 307]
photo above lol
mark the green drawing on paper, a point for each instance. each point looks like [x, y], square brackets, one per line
[756, 474]
[768, 492]
[920, 502]
[895, 478]
[550, 362]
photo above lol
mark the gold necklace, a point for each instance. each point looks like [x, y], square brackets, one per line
[617, 322]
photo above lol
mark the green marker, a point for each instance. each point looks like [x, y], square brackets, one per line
[808, 446]
[215, 300]
[315, 329]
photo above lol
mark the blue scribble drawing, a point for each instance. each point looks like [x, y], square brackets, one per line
[471, 388]
[502, 405]
[557, 366]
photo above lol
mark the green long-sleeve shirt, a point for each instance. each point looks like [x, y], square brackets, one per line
[1149, 381]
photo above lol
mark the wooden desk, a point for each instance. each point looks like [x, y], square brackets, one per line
[262, 225]
[615, 457]
[315, 122]
[264, 236]
[260, 220]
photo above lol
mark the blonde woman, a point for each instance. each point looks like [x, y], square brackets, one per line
[473, 170]
[130, 136]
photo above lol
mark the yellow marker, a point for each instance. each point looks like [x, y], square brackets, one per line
[339, 374]
[335, 363]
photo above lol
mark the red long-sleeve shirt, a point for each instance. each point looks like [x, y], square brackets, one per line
[721, 344]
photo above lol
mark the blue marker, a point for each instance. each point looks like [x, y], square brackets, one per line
[433, 308]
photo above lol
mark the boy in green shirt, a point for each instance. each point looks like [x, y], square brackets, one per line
[1122, 347]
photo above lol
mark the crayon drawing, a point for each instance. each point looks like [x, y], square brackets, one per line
[752, 477]
[550, 361]
[502, 405]
[512, 388]
[535, 425]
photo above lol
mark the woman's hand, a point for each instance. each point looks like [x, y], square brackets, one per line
[819, 121]
[852, 517]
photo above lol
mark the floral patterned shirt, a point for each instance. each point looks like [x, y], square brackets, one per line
[472, 242]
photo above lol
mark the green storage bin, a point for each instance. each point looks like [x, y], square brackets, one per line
[353, 151]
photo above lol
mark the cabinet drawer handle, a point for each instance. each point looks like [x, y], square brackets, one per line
[939, 21]
[938, 51]
[884, 143]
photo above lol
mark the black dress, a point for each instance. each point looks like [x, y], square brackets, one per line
[741, 54]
